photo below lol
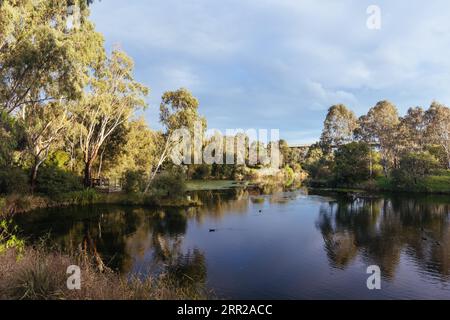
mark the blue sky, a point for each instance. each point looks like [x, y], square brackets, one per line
[279, 64]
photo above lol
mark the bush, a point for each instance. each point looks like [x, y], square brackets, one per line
[84, 197]
[289, 173]
[13, 180]
[203, 171]
[169, 184]
[352, 163]
[414, 167]
[8, 238]
[55, 182]
[134, 181]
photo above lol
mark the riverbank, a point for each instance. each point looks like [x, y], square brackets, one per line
[333, 231]
[439, 185]
[18, 204]
[36, 273]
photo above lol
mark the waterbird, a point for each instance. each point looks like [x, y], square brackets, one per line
[212, 230]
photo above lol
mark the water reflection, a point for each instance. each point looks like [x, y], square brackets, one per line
[382, 229]
[388, 231]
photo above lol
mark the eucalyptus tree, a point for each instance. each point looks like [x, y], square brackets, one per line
[178, 109]
[380, 127]
[44, 66]
[339, 126]
[43, 126]
[43, 58]
[112, 98]
[438, 127]
[412, 130]
[133, 147]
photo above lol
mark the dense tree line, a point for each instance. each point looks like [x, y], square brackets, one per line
[382, 143]
[68, 108]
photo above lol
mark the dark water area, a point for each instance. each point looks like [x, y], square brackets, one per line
[247, 244]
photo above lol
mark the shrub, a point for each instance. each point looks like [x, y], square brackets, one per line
[289, 173]
[58, 159]
[13, 180]
[134, 181]
[352, 163]
[55, 182]
[84, 197]
[8, 238]
[169, 184]
[414, 167]
[203, 171]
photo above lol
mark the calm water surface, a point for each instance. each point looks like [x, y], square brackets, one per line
[285, 245]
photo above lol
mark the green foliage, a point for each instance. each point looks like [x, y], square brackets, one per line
[202, 172]
[318, 165]
[169, 185]
[134, 181]
[8, 237]
[439, 153]
[381, 126]
[13, 180]
[289, 173]
[437, 184]
[83, 197]
[179, 109]
[55, 182]
[339, 125]
[352, 163]
[414, 167]
[11, 138]
[58, 159]
[113, 98]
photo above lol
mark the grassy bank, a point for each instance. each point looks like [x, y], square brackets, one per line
[428, 185]
[38, 274]
[16, 203]
[208, 185]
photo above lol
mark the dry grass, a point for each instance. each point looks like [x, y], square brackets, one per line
[41, 275]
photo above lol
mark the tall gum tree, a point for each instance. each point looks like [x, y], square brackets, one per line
[42, 58]
[44, 65]
[339, 126]
[112, 98]
[412, 130]
[438, 127]
[380, 127]
[178, 109]
[43, 126]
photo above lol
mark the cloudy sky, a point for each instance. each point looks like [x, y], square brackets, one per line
[279, 64]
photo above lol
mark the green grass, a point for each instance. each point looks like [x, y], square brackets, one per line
[430, 184]
[437, 183]
[202, 185]
[384, 183]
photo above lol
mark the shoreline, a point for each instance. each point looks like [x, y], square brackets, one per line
[21, 204]
[33, 203]
[380, 192]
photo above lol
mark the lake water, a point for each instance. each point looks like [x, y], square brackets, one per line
[285, 245]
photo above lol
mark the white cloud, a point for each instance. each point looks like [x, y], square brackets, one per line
[281, 63]
[322, 98]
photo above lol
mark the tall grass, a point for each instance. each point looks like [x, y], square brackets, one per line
[41, 275]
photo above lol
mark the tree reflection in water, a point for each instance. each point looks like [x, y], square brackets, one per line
[380, 230]
[383, 230]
